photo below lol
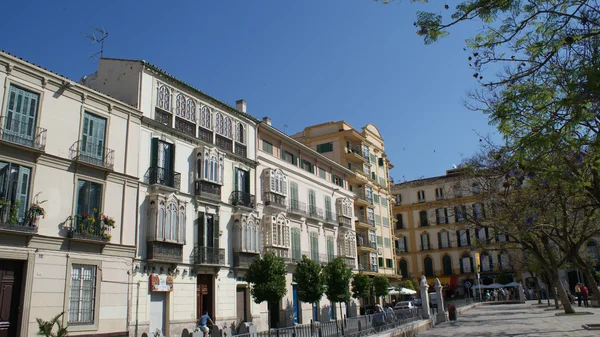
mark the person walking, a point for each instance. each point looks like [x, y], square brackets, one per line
[578, 294]
[584, 292]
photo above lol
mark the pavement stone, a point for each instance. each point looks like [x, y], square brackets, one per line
[529, 319]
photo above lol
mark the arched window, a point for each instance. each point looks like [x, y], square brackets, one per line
[403, 268]
[592, 249]
[278, 182]
[213, 169]
[447, 264]
[504, 261]
[485, 261]
[221, 170]
[161, 220]
[205, 118]
[237, 236]
[227, 127]
[180, 105]
[466, 264]
[163, 99]
[244, 236]
[219, 123]
[171, 223]
[240, 133]
[190, 110]
[168, 224]
[428, 266]
[425, 245]
[181, 224]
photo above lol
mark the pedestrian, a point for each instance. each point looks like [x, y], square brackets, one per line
[203, 322]
[578, 294]
[584, 292]
[379, 318]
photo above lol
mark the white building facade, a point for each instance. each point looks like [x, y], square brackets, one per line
[306, 209]
[197, 159]
[68, 195]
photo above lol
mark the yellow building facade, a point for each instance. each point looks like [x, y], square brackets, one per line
[363, 152]
[434, 239]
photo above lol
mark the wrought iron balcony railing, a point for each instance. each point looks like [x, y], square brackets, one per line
[239, 198]
[315, 212]
[93, 153]
[207, 190]
[209, 256]
[330, 217]
[297, 207]
[240, 150]
[11, 220]
[22, 133]
[164, 251]
[164, 177]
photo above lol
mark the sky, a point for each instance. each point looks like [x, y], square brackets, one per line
[299, 62]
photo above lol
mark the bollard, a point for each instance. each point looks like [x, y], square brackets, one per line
[452, 312]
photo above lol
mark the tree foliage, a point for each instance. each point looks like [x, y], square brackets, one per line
[309, 280]
[380, 285]
[45, 328]
[337, 281]
[267, 277]
[411, 284]
[361, 286]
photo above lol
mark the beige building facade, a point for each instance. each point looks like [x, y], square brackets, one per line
[68, 196]
[362, 152]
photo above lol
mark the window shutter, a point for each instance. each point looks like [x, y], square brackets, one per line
[422, 243]
[172, 157]
[246, 181]
[154, 152]
[235, 179]
[440, 240]
[468, 237]
[472, 266]
[216, 231]
[446, 215]
[491, 263]
[405, 244]
[483, 210]
[487, 234]
[462, 269]
[201, 230]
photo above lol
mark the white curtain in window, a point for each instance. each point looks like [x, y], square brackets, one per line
[466, 263]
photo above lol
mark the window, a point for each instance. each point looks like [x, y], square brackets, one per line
[475, 188]
[328, 211]
[425, 242]
[464, 239]
[401, 245]
[21, 116]
[377, 220]
[466, 264]
[428, 266]
[337, 180]
[399, 222]
[380, 161]
[89, 198]
[349, 245]
[185, 108]
[367, 169]
[92, 139]
[386, 222]
[14, 191]
[307, 166]
[241, 181]
[330, 248]
[374, 176]
[592, 250]
[486, 262]
[212, 166]
[482, 234]
[384, 202]
[223, 125]
[365, 151]
[322, 173]
[404, 268]
[421, 196]
[170, 220]
[344, 207]
[376, 198]
[444, 239]
[478, 212]
[289, 157]
[380, 260]
[379, 241]
[247, 235]
[325, 147]
[208, 228]
[369, 194]
[504, 261]
[457, 192]
[314, 246]
[439, 193]
[423, 218]
[372, 158]
[502, 237]
[312, 203]
[371, 216]
[267, 147]
[389, 263]
[296, 250]
[398, 199]
[205, 117]
[163, 99]
[447, 265]
[240, 133]
[382, 181]
[162, 163]
[441, 215]
[280, 231]
[277, 182]
[82, 294]
[459, 213]
[386, 242]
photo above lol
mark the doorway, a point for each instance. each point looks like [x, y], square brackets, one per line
[157, 312]
[296, 303]
[242, 305]
[11, 277]
[205, 296]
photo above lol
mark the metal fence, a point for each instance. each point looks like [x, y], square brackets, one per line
[350, 327]
[459, 302]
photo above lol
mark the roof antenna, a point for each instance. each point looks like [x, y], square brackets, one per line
[285, 128]
[103, 34]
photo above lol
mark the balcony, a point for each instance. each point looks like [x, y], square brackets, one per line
[93, 154]
[239, 198]
[209, 256]
[344, 221]
[297, 207]
[224, 143]
[362, 220]
[362, 200]
[164, 177]
[274, 200]
[315, 212]
[10, 221]
[243, 260]
[354, 153]
[331, 218]
[367, 267]
[207, 190]
[241, 150]
[350, 262]
[167, 252]
[163, 117]
[22, 134]
[205, 135]
[89, 228]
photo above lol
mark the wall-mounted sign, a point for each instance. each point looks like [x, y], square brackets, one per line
[161, 283]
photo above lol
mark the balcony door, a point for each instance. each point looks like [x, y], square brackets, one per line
[21, 114]
[92, 137]
[242, 180]
[163, 161]
[14, 190]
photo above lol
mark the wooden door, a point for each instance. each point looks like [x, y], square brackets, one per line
[241, 304]
[10, 297]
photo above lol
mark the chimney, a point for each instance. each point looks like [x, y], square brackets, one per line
[241, 105]
[267, 120]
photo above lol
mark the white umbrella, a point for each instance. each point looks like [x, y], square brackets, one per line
[482, 286]
[406, 291]
[512, 284]
[393, 292]
[496, 286]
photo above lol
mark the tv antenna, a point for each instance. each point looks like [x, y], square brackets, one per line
[102, 35]
[285, 129]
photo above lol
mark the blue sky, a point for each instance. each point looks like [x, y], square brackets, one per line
[298, 62]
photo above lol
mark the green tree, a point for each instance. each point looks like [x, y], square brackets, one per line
[267, 278]
[337, 281]
[361, 286]
[380, 285]
[309, 279]
[45, 328]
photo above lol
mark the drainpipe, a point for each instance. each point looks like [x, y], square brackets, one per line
[123, 203]
[137, 310]
[129, 281]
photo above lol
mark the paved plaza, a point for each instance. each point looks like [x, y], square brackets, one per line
[529, 319]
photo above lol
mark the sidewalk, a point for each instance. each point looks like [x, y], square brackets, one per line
[527, 319]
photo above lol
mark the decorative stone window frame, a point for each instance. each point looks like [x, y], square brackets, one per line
[185, 107]
[246, 233]
[164, 96]
[241, 132]
[161, 203]
[98, 264]
[223, 125]
[277, 230]
[276, 181]
[205, 118]
[347, 244]
[210, 165]
[344, 207]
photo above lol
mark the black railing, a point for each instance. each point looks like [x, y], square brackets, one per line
[11, 220]
[273, 199]
[92, 153]
[164, 251]
[164, 177]
[330, 217]
[185, 126]
[362, 218]
[241, 150]
[315, 212]
[224, 143]
[205, 135]
[344, 221]
[89, 228]
[369, 267]
[22, 133]
[163, 117]
[207, 190]
[239, 198]
[297, 207]
[209, 255]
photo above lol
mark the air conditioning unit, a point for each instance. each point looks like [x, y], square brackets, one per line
[379, 251]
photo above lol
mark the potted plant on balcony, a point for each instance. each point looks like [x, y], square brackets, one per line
[35, 212]
[85, 224]
[107, 224]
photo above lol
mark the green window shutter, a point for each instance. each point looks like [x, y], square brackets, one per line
[380, 160]
[380, 260]
[376, 198]
[201, 229]
[379, 241]
[386, 242]
[330, 249]
[328, 203]
[154, 152]
[216, 231]
[246, 181]
[294, 190]
[405, 244]
[235, 179]
[384, 202]
[446, 215]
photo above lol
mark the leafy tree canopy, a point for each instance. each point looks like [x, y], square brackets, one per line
[337, 280]
[309, 279]
[267, 277]
[380, 285]
[361, 286]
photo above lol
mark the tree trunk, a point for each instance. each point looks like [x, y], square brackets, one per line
[562, 294]
[593, 285]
